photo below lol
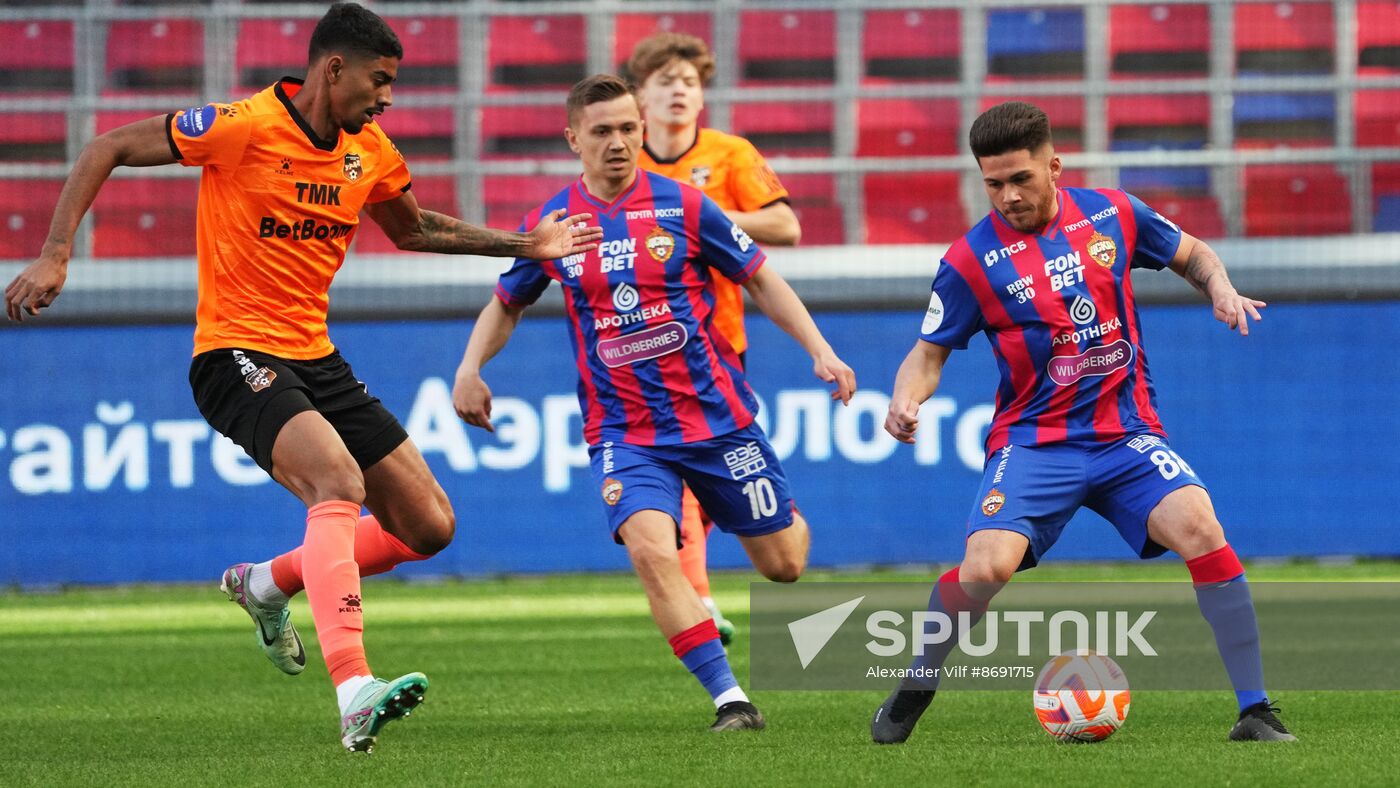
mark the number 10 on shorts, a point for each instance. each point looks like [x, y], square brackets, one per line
[762, 500]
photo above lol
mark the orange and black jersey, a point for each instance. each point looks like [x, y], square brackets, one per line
[278, 206]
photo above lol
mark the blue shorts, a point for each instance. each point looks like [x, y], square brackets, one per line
[736, 477]
[1035, 490]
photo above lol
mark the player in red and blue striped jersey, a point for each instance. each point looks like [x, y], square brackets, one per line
[1046, 276]
[664, 397]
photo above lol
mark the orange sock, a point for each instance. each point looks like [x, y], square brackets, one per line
[333, 587]
[376, 551]
[693, 535]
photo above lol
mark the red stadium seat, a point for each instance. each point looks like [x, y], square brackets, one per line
[433, 192]
[787, 47]
[33, 137]
[1378, 118]
[1385, 196]
[1296, 200]
[155, 55]
[269, 49]
[36, 56]
[788, 129]
[917, 208]
[146, 217]
[536, 52]
[1066, 117]
[26, 208]
[631, 28]
[509, 198]
[523, 132]
[911, 45]
[421, 132]
[1284, 38]
[813, 199]
[1378, 36]
[1159, 40]
[908, 127]
[1197, 215]
[429, 52]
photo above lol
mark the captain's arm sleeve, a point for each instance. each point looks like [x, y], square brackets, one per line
[725, 247]
[524, 282]
[752, 183]
[1157, 237]
[395, 179]
[214, 135]
[953, 315]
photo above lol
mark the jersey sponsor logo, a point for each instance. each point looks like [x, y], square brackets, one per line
[745, 461]
[612, 491]
[304, 230]
[933, 316]
[627, 318]
[318, 193]
[993, 502]
[1094, 362]
[1065, 270]
[194, 121]
[625, 297]
[1001, 466]
[1079, 225]
[740, 237]
[353, 168]
[660, 244]
[1143, 443]
[1090, 332]
[1111, 210]
[619, 254]
[659, 213]
[993, 255]
[644, 345]
[1083, 311]
[1102, 249]
[1021, 288]
[700, 176]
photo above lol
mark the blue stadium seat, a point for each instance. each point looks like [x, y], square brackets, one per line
[1027, 43]
[1387, 214]
[1295, 119]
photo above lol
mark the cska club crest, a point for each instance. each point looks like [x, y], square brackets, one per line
[1103, 250]
[660, 244]
[699, 176]
[993, 502]
[353, 171]
[612, 491]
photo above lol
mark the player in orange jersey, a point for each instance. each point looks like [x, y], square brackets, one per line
[669, 72]
[285, 176]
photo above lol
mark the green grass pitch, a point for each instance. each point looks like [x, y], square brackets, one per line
[558, 680]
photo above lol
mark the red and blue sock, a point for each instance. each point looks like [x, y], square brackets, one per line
[699, 649]
[1223, 594]
[948, 597]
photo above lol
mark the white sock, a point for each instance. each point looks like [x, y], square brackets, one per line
[709, 603]
[262, 589]
[346, 691]
[729, 696]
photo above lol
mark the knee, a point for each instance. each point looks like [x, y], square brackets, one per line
[434, 532]
[652, 557]
[341, 481]
[1202, 535]
[982, 570]
[784, 569]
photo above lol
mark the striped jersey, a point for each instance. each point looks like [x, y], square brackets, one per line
[1058, 309]
[652, 370]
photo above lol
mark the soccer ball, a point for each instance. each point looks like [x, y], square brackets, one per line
[1081, 697]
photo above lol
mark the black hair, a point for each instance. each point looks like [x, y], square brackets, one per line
[1007, 127]
[349, 28]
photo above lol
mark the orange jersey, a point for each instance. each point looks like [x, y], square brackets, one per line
[734, 174]
[278, 206]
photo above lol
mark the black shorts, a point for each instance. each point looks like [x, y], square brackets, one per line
[249, 396]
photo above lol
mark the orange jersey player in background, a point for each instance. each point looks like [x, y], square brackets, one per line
[284, 177]
[669, 71]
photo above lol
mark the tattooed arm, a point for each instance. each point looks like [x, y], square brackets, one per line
[1199, 265]
[416, 230]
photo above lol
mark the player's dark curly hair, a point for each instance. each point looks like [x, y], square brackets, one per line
[594, 90]
[352, 29]
[1014, 125]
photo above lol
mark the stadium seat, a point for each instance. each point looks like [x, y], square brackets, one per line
[1300, 120]
[917, 208]
[269, 49]
[33, 137]
[1031, 43]
[420, 132]
[1159, 40]
[630, 28]
[155, 55]
[908, 127]
[429, 53]
[1196, 214]
[37, 56]
[26, 208]
[787, 47]
[433, 192]
[911, 45]
[813, 199]
[145, 217]
[523, 132]
[1296, 200]
[508, 198]
[1160, 122]
[1378, 36]
[526, 52]
[1066, 117]
[1378, 118]
[1385, 193]
[787, 129]
[1283, 38]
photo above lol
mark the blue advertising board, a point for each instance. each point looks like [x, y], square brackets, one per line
[108, 473]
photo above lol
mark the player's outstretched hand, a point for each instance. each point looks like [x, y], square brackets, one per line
[36, 287]
[1234, 310]
[903, 420]
[558, 236]
[471, 398]
[832, 369]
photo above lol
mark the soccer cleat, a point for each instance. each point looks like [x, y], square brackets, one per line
[1258, 723]
[276, 635]
[897, 716]
[738, 715]
[377, 704]
[724, 625]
